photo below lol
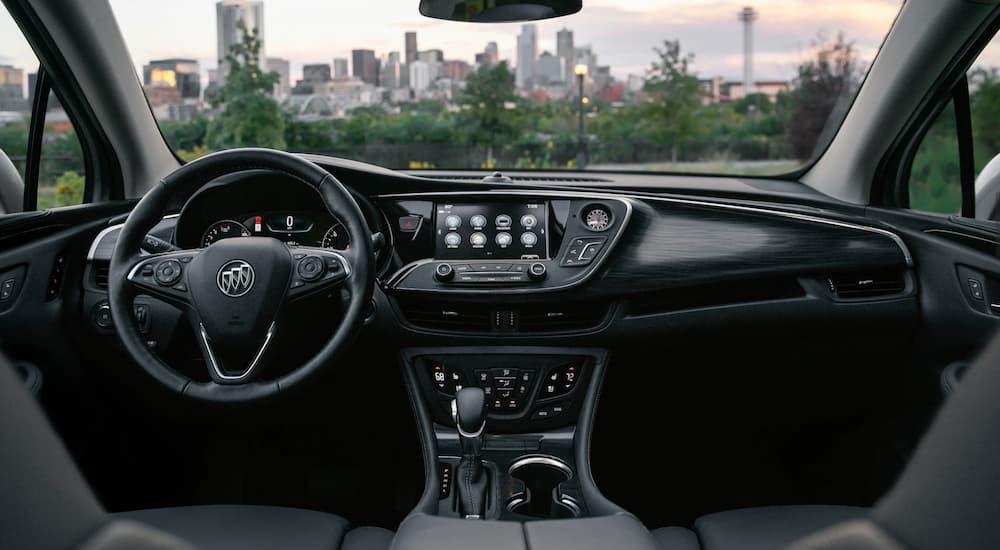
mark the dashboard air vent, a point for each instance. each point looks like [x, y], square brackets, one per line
[497, 318]
[874, 284]
[562, 318]
[101, 270]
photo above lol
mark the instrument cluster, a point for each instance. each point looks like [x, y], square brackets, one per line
[295, 228]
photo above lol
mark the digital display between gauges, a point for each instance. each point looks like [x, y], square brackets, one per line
[294, 228]
[494, 230]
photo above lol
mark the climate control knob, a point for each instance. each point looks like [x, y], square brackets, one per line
[537, 271]
[444, 272]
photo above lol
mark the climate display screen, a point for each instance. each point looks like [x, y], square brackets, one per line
[491, 231]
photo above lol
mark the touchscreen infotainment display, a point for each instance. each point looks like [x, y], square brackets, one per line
[491, 231]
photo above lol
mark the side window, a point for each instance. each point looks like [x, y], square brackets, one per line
[935, 176]
[970, 120]
[60, 179]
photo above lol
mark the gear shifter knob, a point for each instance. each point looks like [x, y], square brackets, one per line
[468, 410]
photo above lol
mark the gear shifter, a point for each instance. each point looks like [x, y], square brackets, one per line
[468, 410]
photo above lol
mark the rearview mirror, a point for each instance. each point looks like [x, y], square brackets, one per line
[498, 11]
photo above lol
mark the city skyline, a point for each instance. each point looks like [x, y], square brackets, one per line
[625, 33]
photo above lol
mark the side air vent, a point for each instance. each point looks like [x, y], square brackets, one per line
[101, 270]
[874, 284]
[501, 318]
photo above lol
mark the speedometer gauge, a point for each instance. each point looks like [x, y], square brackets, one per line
[336, 237]
[224, 229]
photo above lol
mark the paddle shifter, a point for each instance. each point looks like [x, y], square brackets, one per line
[468, 410]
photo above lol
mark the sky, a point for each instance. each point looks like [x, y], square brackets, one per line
[623, 33]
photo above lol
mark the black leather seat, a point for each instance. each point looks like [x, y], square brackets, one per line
[46, 504]
[948, 496]
[764, 528]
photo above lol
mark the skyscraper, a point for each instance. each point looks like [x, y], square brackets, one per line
[228, 14]
[492, 53]
[549, 69]
[365, 66]
[282, 67]
[564, 50]
[527, 52]
[411, 47]
[340, 68]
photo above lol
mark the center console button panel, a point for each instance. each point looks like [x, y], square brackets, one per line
[538, 390]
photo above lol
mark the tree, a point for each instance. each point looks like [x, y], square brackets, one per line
[670, 114]
[822, 89]
[250, 116]
[486, 117]
[984, 85]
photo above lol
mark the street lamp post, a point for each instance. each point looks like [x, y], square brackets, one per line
[581, 153]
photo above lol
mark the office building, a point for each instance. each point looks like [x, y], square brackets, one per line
[492, 53]
[229, 14]
[527, 52]
[549, 69]
[565, 51]
[340, 70]
[183, 74]
[411, 47]
[364, 66]
[283, 68]
[420, 75]
[11, 82]
[315, 73]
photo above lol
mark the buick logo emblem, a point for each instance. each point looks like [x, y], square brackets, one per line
[235, 278]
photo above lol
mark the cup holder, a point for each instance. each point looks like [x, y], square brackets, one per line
[542, 498]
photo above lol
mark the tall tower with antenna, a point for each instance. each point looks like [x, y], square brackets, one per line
[747, 16]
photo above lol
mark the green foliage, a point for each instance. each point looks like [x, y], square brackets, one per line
[985, 99]
[250, 117]
[185, 135]
[832, 76]
[674, 97]
[486, 117]
[69, 189]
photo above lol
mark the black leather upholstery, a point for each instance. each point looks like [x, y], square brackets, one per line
[45, 501]
[368, 538]
[226, 527]
[949, 493]
[676, 538]
[621, 531]
[47, 505]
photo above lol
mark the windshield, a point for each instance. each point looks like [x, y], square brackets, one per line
[647, 85]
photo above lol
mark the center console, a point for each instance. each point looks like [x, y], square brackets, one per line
[538, 406]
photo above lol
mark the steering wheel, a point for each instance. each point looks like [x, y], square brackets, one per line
[233, 292]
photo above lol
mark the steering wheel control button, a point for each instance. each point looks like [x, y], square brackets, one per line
[583, 251]
[311, 268]
[537, 271]
[444, 272]
[168, 272]
[235, 278]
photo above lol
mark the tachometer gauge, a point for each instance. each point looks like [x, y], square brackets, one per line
[336, 237]
[224, 229]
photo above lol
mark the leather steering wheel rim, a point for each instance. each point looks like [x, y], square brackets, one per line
[184, 182]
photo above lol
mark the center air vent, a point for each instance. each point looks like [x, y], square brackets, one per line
[494, 318]
[874, 284]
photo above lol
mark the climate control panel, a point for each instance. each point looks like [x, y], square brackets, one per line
[525, 390]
